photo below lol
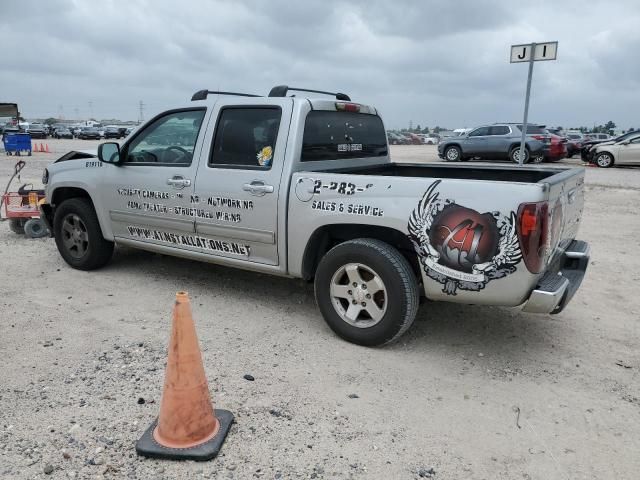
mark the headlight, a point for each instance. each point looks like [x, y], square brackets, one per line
[45, 177]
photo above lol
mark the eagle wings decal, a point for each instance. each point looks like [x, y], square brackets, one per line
[460, 247]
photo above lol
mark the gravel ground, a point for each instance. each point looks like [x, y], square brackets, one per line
[473, 393]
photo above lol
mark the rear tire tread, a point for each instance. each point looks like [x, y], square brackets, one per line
[408, 283]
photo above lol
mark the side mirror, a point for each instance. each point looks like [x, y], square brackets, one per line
[626, 142]
[109, 152]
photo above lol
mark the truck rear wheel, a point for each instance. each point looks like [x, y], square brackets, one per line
[78, 235]
[366, 292]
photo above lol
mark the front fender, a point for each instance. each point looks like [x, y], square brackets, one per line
[58, 193]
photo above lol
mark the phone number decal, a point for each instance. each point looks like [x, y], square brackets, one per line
[343, 188]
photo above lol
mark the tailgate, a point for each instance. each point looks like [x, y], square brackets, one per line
[566, 200]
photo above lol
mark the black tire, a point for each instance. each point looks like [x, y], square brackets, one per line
[604, 160]
[453, 154]
[401, 291]
[96, 251]
[537, 158]
[514, 153]
[16, 225]
[35, 228]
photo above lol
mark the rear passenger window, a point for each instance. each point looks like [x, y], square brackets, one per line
[499, 130]
[245, 138]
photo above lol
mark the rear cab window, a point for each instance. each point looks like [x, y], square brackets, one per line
[339, 135]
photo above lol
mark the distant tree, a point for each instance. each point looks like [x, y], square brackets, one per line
[610, 127]
[425, 130]
[50, 121]
[417, 129]
[436, 129]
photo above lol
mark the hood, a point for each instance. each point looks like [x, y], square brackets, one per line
[77, 155]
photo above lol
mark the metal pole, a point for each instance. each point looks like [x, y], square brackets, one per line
[526, 105]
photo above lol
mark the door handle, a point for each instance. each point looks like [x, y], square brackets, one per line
[178, 181]
[257, 188]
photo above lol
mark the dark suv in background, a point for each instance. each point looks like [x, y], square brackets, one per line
[500, 141]
[89, 133]
[112, 132]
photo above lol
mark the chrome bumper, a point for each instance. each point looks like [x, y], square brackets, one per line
[558, 286]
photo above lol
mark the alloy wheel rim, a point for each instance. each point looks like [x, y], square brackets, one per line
[452, 154]
[75, 237]
[516, 155]
[603, 160]
[358, 295]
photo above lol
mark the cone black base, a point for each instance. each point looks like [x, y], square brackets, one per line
[148, 447]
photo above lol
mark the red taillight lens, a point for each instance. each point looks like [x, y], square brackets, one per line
[533, 232]
[347, 107]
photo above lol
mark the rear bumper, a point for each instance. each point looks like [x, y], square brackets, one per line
[558, 286]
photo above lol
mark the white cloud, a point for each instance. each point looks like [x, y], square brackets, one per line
[433, 63]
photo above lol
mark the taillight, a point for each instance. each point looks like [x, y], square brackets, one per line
[533, 232]
[542, 138]
[347, 107]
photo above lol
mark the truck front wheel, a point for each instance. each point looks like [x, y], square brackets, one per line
[78, 235]
[366, 292]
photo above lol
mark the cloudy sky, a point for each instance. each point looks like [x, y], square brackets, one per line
[433, 63]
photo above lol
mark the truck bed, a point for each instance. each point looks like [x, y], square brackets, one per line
[496, 173]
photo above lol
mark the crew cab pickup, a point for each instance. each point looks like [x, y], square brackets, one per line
[305, 187]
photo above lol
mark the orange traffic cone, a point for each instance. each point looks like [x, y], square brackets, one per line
[46, 148]
[41, 148]
[187, 428]
[34, 149]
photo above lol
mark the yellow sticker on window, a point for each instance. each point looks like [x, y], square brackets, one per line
[264, 156]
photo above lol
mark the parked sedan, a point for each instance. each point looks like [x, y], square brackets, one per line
[574, 143]
[622, 152]
[589, 147]
[89, 133]
[37, 131]
[396, 139]
[62, 132]
[557, 148]
[112, 132]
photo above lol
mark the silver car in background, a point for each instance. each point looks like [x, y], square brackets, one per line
[623, 152]
[500, 141]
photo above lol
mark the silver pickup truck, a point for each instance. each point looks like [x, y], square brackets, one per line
[305, 187]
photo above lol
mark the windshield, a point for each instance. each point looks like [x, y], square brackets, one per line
[336, 135]
[626, 135]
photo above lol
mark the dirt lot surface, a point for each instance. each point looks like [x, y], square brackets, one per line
[467, 393]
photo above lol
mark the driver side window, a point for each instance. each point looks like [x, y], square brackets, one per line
[170, 139]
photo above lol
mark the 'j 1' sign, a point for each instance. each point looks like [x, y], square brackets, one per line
[543, 51]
